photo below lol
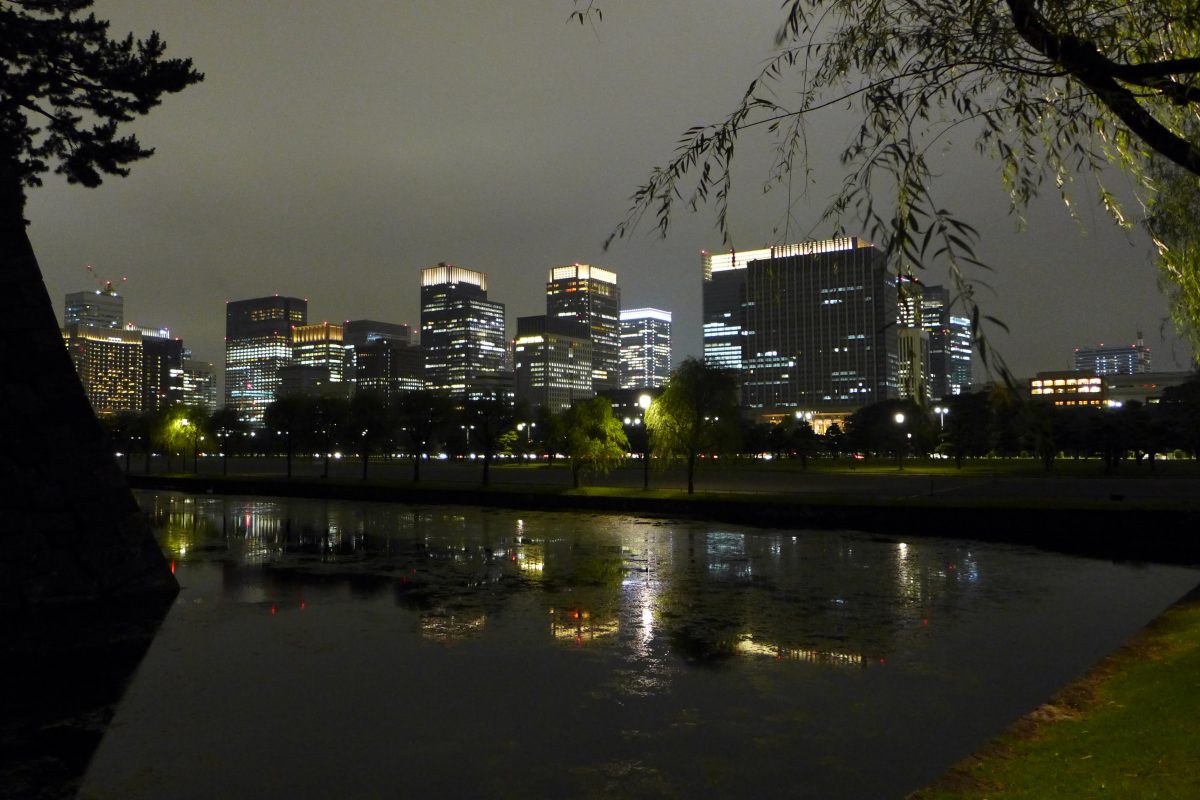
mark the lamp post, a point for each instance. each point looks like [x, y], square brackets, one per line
[644, 403]
[903, 442]
[941, 411]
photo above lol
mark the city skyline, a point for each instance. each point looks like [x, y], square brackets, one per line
[517, 159]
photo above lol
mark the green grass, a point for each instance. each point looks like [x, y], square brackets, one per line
[1129, 729]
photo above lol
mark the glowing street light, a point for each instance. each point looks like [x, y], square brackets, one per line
[903, 442]
[644, 401]
[941, 411]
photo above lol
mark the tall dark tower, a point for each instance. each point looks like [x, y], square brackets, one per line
[590, 296]
[258, 341]
[820, 328]
[462, 332]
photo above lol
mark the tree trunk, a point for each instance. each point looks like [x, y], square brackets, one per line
[72, 530]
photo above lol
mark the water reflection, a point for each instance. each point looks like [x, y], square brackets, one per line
[579, 655]
[709, 595]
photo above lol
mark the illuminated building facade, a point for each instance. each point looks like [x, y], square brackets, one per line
[359, 332]
[819, 327]
[1114, 359]
[199, 384]
[645, 348]
[162, 369]
[949, 344]
[388, 367]
[319, 345]
[109, 365]
[1079, 388]
[99, 308]
[553, 362]
[912, 340]
[258, 341]
[590, 296]
[462, 332]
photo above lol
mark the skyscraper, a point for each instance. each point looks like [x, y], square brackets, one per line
[258, 341]
[912, 340]
[645, 348]
[589, 295]
[1114, 359]
[553, 362]
[100, 308]
[819, 328]
[319, 345]
[199, 383]
[109, 365]
[462, 332]
[361, 332]
[162, 369]
[949, 344]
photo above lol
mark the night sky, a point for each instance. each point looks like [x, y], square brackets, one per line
[335, 149]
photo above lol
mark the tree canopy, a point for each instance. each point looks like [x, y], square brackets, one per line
[1051, 89]
[697, 412]
[593, 437]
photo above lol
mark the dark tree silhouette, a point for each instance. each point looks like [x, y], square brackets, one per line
[422, 418]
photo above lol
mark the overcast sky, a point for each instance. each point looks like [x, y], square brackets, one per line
[336, 148]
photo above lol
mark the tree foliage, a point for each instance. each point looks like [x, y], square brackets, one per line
[697, 412]
[66, 90]
[594, 439]
[1051, 89]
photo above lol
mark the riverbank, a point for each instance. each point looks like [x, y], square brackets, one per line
[1108, 521]
[1128, 728]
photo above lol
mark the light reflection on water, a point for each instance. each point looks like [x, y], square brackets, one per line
[462, 652]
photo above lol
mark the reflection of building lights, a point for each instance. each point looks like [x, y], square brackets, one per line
[448, 627]
[579, 626]
[747, 646]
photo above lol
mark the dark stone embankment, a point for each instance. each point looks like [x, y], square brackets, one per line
[1110, 528]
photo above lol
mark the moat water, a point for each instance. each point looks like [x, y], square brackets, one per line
[333, 649]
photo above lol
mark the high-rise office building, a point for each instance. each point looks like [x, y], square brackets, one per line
[462, 332]
[553, 362]
[949, 344]
[258, 341]
[99, 308]
[912, 340]
[818, 327]
[388, 367]
[645, 348]
[1114, 359]
[162, 369]
[199, 383]
[320, 345]
[590, 295]
[724, 303]
[109, 365]
[359, 332]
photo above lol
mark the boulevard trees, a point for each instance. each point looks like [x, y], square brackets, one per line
[696, 412]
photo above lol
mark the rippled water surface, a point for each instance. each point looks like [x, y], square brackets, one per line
[330, 649]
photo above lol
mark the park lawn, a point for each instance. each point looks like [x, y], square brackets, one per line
[1128, 729]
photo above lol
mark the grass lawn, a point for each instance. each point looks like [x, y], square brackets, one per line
[1128, 729]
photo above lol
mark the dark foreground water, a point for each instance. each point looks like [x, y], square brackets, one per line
[327, 649]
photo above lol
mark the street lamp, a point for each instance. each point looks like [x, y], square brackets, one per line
[941, 411]
[644, 404]
[903, 442]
